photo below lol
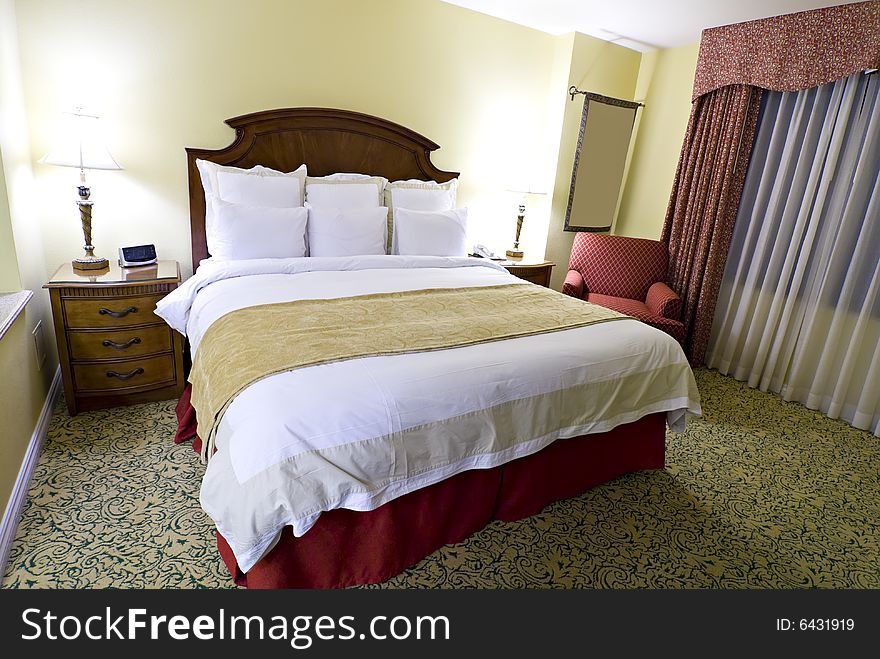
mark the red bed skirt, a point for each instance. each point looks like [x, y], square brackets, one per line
[346, 548]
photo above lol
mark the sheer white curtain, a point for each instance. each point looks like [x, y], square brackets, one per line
[799, 308]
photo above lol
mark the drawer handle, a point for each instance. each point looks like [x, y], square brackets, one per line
[117, 314]
[107, 343]
[125, 376]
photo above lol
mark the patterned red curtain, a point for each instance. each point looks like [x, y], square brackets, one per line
[702, 209]
[786, 53]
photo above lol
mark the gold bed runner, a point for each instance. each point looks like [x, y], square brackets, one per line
[249, 344]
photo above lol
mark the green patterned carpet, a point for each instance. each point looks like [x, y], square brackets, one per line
[759, 493]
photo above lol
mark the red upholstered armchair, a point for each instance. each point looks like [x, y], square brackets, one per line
[627, 275]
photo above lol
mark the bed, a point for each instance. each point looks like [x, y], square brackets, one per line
[350, 469]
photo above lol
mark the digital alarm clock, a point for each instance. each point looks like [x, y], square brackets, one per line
[137, 255]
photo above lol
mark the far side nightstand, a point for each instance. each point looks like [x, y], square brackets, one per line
[113, 349]
[537, 272]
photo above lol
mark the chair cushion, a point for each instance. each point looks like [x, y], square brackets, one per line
[618, 266]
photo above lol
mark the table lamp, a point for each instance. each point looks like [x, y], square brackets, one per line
[524, 191]
[79, 144]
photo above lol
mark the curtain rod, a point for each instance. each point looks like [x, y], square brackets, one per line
[573, 91]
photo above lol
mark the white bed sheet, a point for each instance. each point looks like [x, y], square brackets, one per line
[279, 418]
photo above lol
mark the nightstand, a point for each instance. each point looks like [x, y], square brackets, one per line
[537, 272]
[113, 349]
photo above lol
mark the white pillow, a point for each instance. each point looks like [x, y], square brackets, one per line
[345, 190]
[243, 231]
[209, 171]
[260, 189]
[418, 195]
[421, 195]
[431, 233]
[344, 176]
[347, 231]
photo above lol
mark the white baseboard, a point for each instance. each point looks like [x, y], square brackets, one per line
[9, 525]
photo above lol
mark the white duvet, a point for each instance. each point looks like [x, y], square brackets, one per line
[259, 480]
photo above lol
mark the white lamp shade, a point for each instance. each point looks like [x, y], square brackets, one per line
[526, 190]
[80, 144]
[526, 186]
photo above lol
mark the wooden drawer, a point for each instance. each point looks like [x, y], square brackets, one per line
[536, 277]
[118, 344]
[110, 312]
[130, 373]
[537, 274]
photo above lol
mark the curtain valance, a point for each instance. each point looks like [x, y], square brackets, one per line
[790, 52]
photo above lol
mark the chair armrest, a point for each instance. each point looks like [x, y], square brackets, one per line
[574, 284]
[663, 301]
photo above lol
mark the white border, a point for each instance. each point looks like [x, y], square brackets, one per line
[11, 516]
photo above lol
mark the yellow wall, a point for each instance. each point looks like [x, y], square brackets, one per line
[23, 387]
[595, 66]
[665, 83]
[22, 393]
[164, 74]
[9, 279]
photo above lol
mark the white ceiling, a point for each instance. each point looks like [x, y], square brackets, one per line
[638, 24]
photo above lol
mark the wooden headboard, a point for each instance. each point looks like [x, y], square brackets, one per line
[326, 140]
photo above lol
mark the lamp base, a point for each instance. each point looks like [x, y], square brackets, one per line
[514, 253]
[90, 263]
